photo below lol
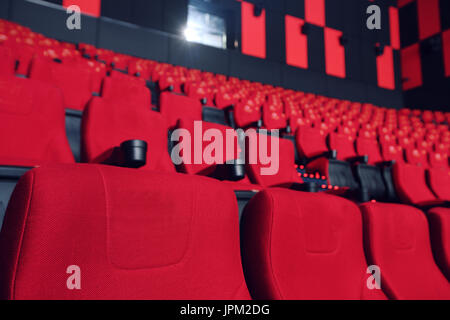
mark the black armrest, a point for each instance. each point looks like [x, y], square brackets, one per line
[130, 154]
[387, 163]
[230, 171]
[305, 187]
[13, 172]
[361, 159]
[331, 155]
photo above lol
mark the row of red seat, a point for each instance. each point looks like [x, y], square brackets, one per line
[183, 229]
[137, 236]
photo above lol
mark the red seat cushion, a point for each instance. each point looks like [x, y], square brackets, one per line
[294, 244]
[75, 83]
[175, 107]
[131, 233]
[439, 182]
[411, 186]
[278, 169]
[439, 219]
[32, 130]
[132, 90]
[108, 123]
[369, 147]
[397, 240]
[311, 142]
[343, 144]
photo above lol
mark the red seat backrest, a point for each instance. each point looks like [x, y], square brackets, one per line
[294, 245]
[131, 233]
[108, 123]
[32, 130]
[398, 242]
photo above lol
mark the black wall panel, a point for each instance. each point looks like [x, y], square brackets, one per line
[316, 48]
[133, 40]
[254, 69]
[304, 80]
[445, 14]
[408, 25]
[368, 63]
[431, 56]
[198, 56]
[148, 14]
[334, 14]
[295, 8]
[353, 59]
[384, 98]
[51, 21]
[275, 42]
[175, 16]
[346, 89]
[4, 9]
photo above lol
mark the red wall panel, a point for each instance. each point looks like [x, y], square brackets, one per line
[446, 48]
[395, 27]
[429, 18]
[411, 67]
[385, 69]
[296, 43]
[253, 31]
[315, 12]
[334, 53]
[91, 7]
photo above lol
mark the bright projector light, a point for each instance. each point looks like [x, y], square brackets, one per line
[189, 34]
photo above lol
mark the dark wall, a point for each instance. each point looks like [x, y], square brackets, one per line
[150, 40]
[434, 91]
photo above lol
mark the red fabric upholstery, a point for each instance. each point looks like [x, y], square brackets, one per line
[133, 235]
[439, 219]
[411, 185]
[7, 62]
[343, 144]
[392, 152]
[108, 123]
[132, 90]
[175, 107]
[299, 245]
[310, 142]
[439, 182]
[204, 168]
[75, 83]
[417, 157]
[32, 130]
[369, 147]
[284, 161]
[247, 113]
[397, 240]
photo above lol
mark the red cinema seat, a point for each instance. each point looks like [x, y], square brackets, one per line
[370, 148]
[391, 152]
[439, 219]
[273, 116]
[219, 145]
[411, 186]
[175, 107]
[438, 160]
[294, 245]
[343, 144]
[130, 234]
[108, 123]
[7, 62]
[279, 167]
[439, 182]
[75, 83]
[417, 157]
[131, 90]
[247, 113]
[32, 130]
[311, 142]
[397, 240]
